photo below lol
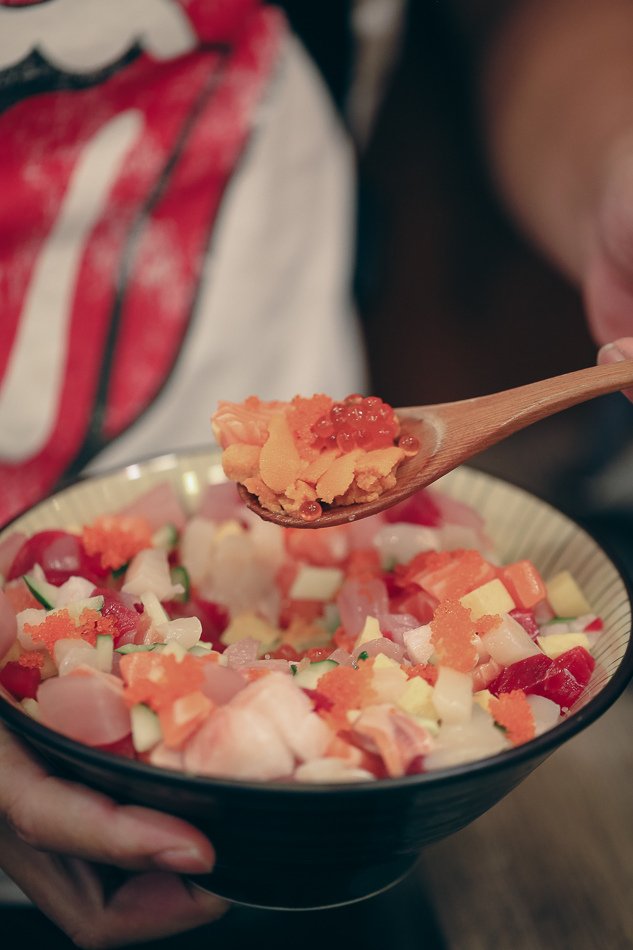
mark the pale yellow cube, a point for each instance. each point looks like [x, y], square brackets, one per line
[556, 643]
[491, 598]
[248, 624]
[371, 631]
[482, 697]
[417, 699]
[382, 662]
[565, 596]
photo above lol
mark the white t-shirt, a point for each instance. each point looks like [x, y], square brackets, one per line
[180, 230]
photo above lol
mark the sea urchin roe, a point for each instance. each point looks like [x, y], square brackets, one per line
[312, 451]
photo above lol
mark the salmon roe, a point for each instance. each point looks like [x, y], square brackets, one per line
[357, 423]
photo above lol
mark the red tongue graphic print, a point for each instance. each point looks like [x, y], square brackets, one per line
[177, 130]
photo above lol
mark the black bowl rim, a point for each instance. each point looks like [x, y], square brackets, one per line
[538, 748]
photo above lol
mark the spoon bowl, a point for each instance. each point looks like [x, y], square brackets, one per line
[451, 433]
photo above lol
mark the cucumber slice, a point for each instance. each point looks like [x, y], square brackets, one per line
[180, 575]
[137, 648]
[43, 592]
[146, 731]
[200, 649]
[87, 603]
[105, 651]
[310, 676]
[166, 537]
[154, 609]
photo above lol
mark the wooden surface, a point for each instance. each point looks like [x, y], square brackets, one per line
[552, 864]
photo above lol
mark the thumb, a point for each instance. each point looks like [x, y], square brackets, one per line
[608, 281]
[621, 349]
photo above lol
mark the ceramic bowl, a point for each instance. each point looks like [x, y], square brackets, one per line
[297, 846]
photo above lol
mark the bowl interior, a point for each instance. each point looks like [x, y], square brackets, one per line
[399, 815]
[519, 525]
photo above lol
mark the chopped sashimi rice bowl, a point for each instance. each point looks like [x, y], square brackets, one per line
[215, 644]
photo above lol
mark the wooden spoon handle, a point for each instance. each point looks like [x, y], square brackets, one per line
[530, 403]
[513, 409]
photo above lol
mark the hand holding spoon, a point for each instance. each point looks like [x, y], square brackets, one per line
[450, 433]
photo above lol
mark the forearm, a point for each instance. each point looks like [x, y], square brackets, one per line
[557, 96]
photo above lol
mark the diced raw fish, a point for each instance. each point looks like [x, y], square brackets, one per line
[508, 642]
[286, 706]
[396, 737]
[330, 769]
[220, 502]
[221, 683]
[71, 654]
[8, 625]
[546, 713]
[417, 643]
[380, 645]
[159, 506]
[9, 547]
[466, 741]
[149, 573]
[85, 705]
[360, 598]
[420, 509]
[242, 653]
[400, 541]
[238, 743]
[165, 758]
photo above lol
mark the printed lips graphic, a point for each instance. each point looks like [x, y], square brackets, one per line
[113, 177]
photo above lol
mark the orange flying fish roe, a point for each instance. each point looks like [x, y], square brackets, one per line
[513, 712]
[34, 659]
[60, 625]
[160, 681]
[427, 671]
[117, 538]
[302, 415]
[347, 688]
[487, 622]
[452, 632]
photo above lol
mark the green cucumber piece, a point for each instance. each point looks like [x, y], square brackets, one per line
[166, 537]
[154, 609]
[180, 575]
[87, 603]
[43, 592]
[308, 677]
[137, 648]
[146, 731]
[200, 649]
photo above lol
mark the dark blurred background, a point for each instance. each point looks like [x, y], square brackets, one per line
[454, 301]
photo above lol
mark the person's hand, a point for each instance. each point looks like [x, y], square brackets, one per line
[608, 271]
[608, 277]
[106, 874]
[616, 352]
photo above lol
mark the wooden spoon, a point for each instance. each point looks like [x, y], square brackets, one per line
[450, 433]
